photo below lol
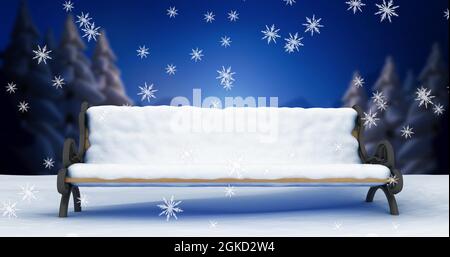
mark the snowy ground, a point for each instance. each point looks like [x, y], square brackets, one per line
[424, 206]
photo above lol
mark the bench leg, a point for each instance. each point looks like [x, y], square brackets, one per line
[76, 199]
[64, 205]
[393, 207]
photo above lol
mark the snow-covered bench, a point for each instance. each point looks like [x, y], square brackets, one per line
[189, 146]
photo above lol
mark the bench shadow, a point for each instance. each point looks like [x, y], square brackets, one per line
[306, 200]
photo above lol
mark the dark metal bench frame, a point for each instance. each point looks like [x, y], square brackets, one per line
[384, 155]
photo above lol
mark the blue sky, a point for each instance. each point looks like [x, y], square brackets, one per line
[319, 73]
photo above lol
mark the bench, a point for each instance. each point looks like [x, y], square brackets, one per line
[243, 147]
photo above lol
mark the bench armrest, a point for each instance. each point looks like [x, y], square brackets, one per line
[71, 153]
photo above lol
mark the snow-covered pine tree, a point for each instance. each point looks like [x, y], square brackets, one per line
[107, 73]
[37, 138]
[75, 68]
[419, 154]
[391, 119]
[356, 94]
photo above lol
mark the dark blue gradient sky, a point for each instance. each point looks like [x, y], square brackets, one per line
[320, 72]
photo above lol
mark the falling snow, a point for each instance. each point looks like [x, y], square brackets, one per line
[230, 191]
[313, 25]
[170, 208]
[42, 54]
[11, 88]
[171, 69]
[147, 92]
[289, 2]
[91, 32]
[23, 107]
[355, 5]
[209, 17]
[271, 34]
[293, 43]
[407, 132]
[172, 12]
[226, 41]
[83, 200]
[438, 109]
[370, 119]
[9, 209]
[143, 52]
[446, 14]
[196, 54]
[49, 163]
[387, 10]
[358, 82]
[233, 16]
[226, 78]
[58, 82]
[68, 6]
[28, 192]
[83, 20]
[424, 97]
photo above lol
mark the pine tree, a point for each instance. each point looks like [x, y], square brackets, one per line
[419, 154]
[37, 137]
[107, 73]
[355, 95]
[75, 68]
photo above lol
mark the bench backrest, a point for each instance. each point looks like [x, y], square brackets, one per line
[190, 135]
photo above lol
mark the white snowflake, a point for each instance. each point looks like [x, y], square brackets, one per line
[225, 41]
[28, 193]
[393, 180]
[271, 34]
[11, 88]
[83, 200]
[68, 6]
[407, 132]
[338, 226]
[370, 119]
[143, 52]
[170, 208]
[216, 104]
[42, 54]
[9, 209]
[226, 78]
[446, 14]
[236, 167]
[23, 107]
[438, 109]
[230, 191]
[196, 55]
[172, 12]
[91, 32]
[49, 163]
[358, 82]
[355, 5]
[58, 82]
[313, 25]
[84, 20]
[147, 92]
[387, 10]
[213, 224]
[209, 17]
[293, 43]
[424, 97]
[289, 2]
[171, 69]
[378, 97]
[233, 16]
[382, 105]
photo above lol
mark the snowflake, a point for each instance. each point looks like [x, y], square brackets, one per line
[84, 20]
[226, 78]
[293, 43]
[209, 17]
[382, 105]
[91, 32]
[147, 92]
[28, 193]
[11, 88]
[171, 69]
[196, 55]
[230, 191]
[438, 109]
[236, 167]
[424, 97]
[233, 16]
[9, 209]
[338, 226]
[355, 5]
[393, 180]
[58, 82]
[172, 12]
[83, 200]
[446, 14]
[49, 163]
[407, 132]
[23, 107]
[213, 224]
[143, 52]
[313, 25]
[289, 2]
[378, 97]
[216, 104]
[226, 41]
[42, 54]
[387, 10]
[370, 119]
[68, 6]
[271, 34]
[170, 208]
[358, 82]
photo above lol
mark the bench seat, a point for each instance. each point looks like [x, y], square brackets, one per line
[218, 175]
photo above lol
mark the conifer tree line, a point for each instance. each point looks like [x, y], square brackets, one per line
[39, 134]
[425, 151]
